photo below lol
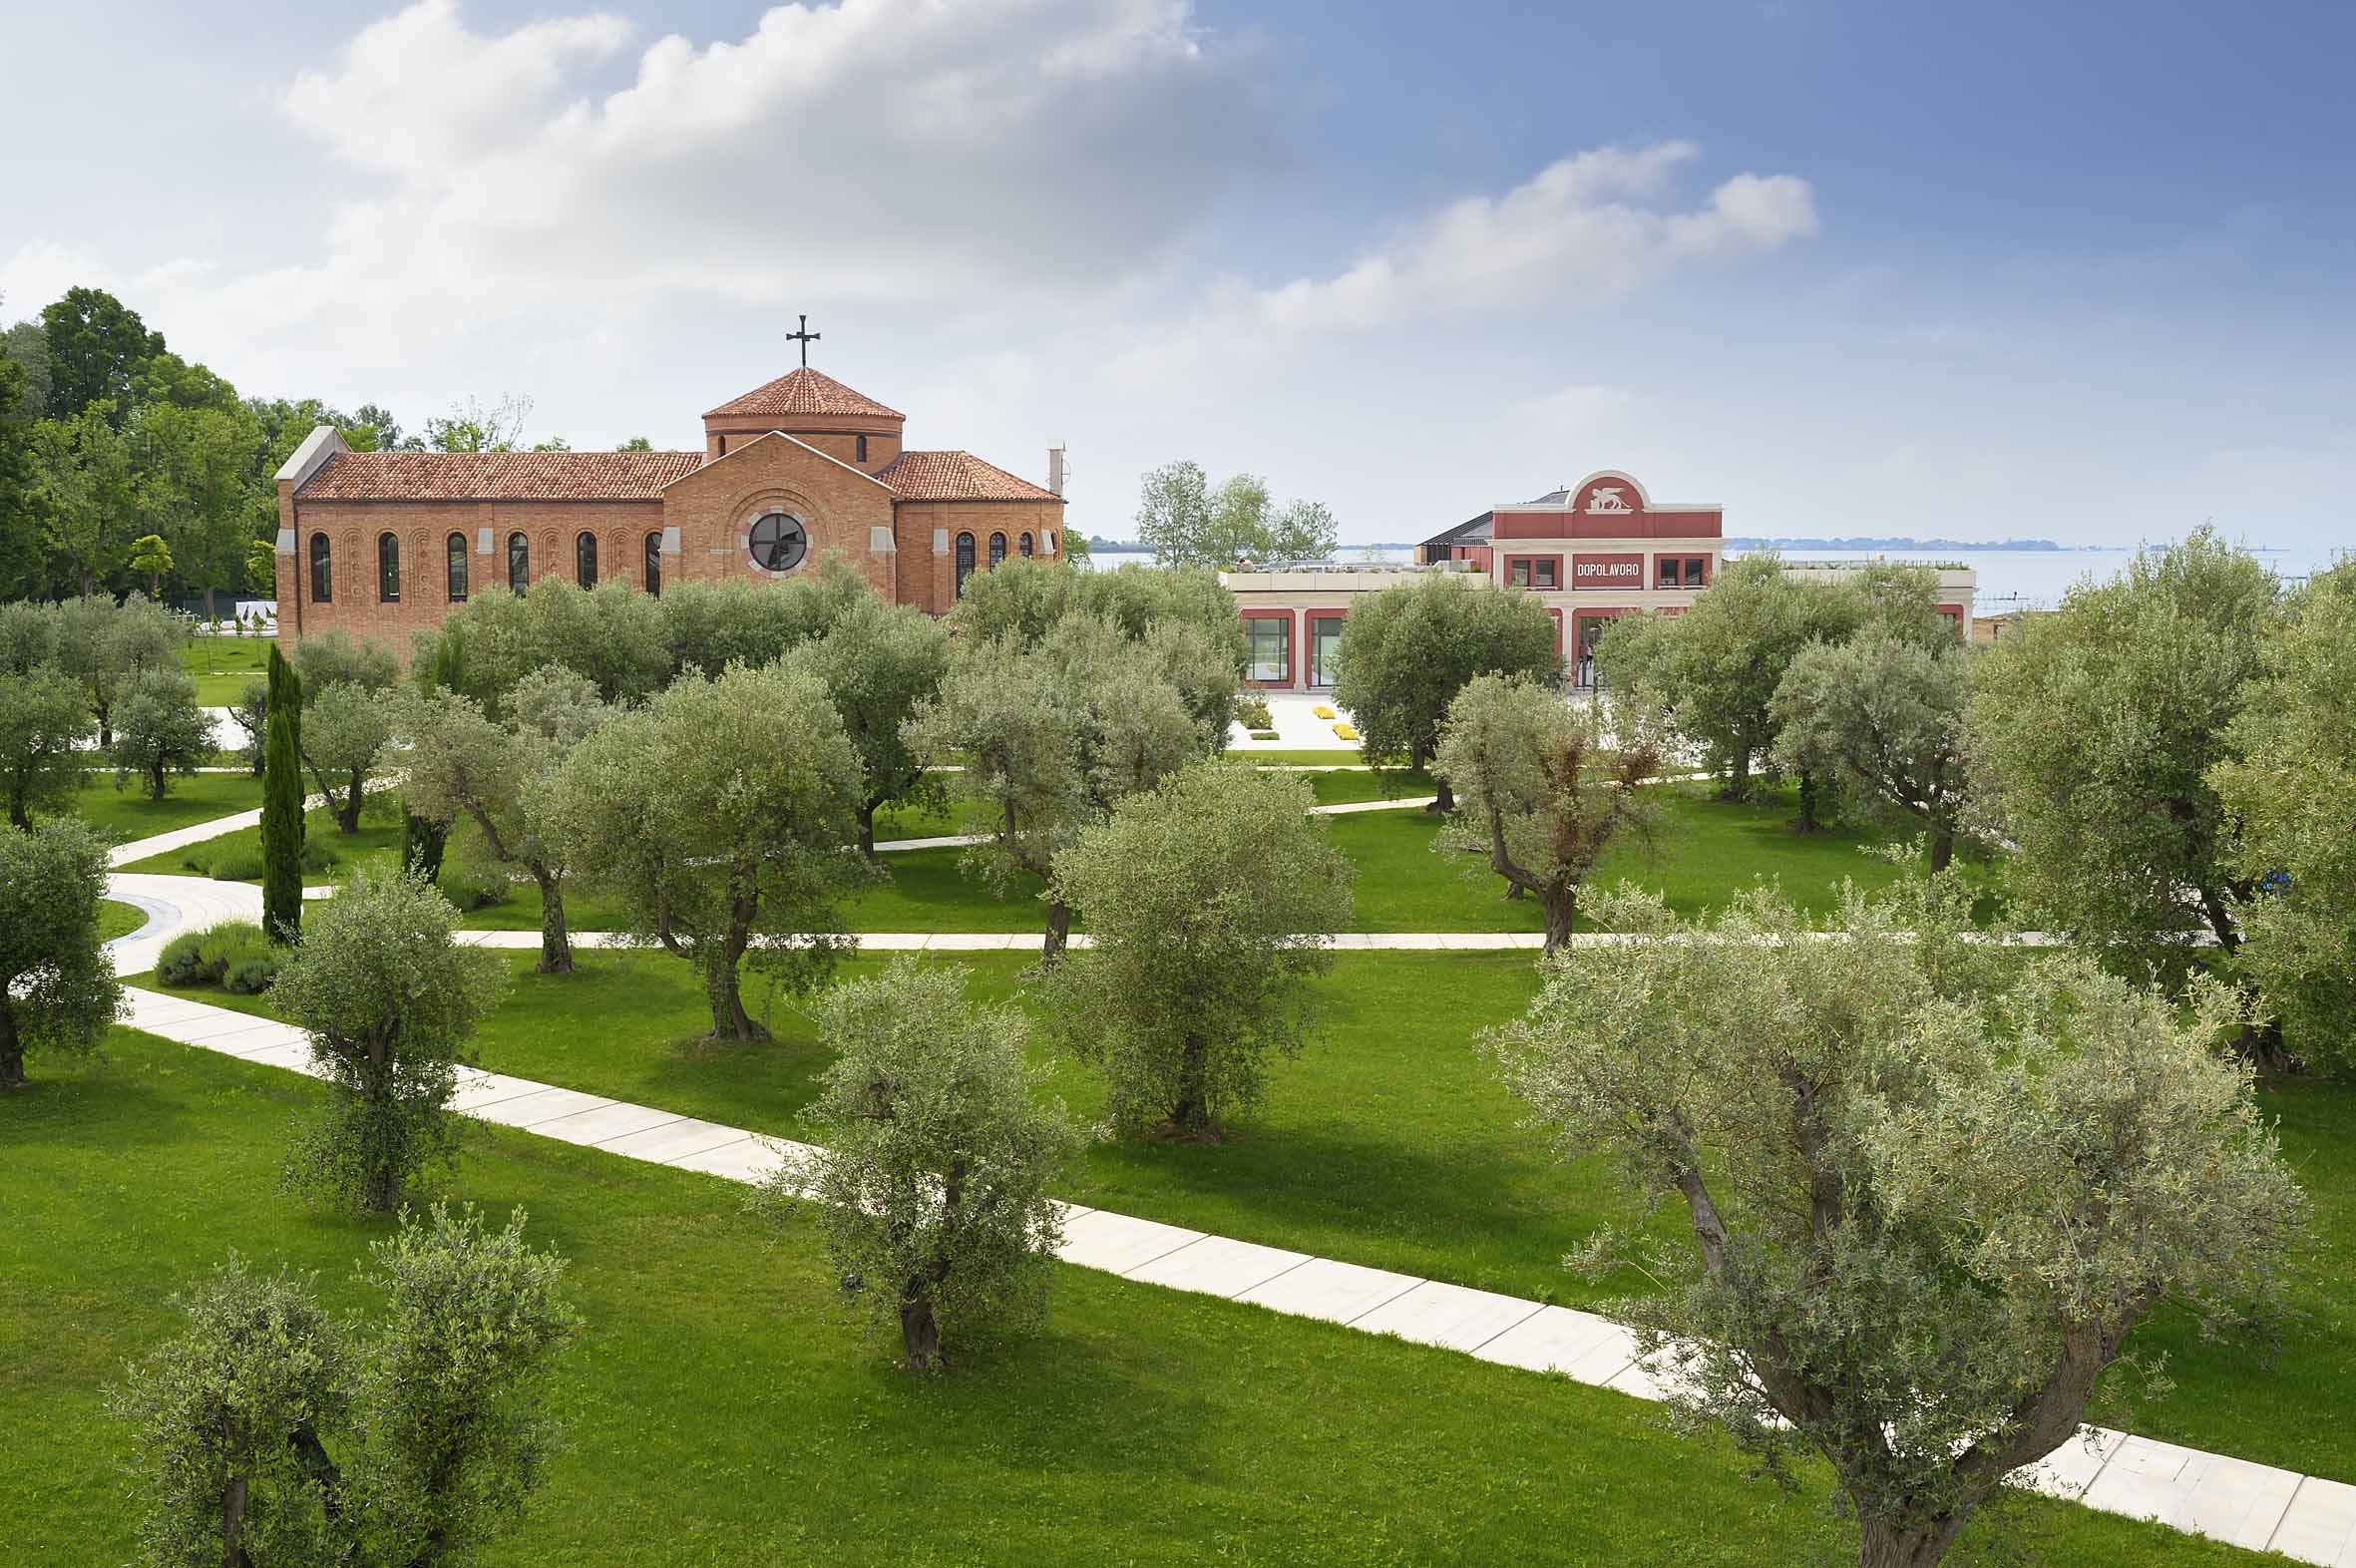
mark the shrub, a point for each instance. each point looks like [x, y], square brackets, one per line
[470, 883]
[237, 860]
[233, 954]
[252, 971]
[1251, 711]
[180, 960]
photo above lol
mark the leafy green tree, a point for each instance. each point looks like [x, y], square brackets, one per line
[103, 646]
[23, 544]
[25, 347]
[1544, 787]
[635, 444]
[1028, 598]
[42, 720]
[2095, 729]
[880, 665]
[934, 1182]
[268, 1432]
[1411, 649]
[326, 659]
[472, 427]
[28, 638]
[151, 557]
[84, 489]
[158, 729]
[462, 763]
[612, 634]
[1049, 740]
[262, 567]
[1885, 717]
[96, 346]
[346, 731]
[719, 813]
[1208, 899]
[58, 991]
[2289, 781]
[281, 802]
[1190, 522]
[390, 1003]
[1927, 1205]
[195, 487]
[1714, 668]
[707, 626]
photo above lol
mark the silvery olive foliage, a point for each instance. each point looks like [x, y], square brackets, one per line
[724, 817]
[2094, 732]
[933, 1187]
[58, 991]
[158, 728]
[1929, 1194]
[270, 1434]
[1051, 737]
[880, 663]
[390, 1001]
[461, 762]
[43, 718]
[1544, 787]
[1208, 901]
[2289, 786]
[1882, 715]
[347, 729]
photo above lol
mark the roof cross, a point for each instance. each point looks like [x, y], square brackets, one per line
[805, 338]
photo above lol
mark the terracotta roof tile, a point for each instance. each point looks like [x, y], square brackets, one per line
[497, 476]
[803, 391]
[957, 476]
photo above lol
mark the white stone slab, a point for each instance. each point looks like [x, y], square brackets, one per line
[295, 1058]
[1217, 1266]
[1116, 1243]
[478, 1090]
[1556, 1339]
[673, 1141]
[2319, 1526]
[262, 1037]
[530, 1111]
[154, 1012]
[2147, 1479]
[1653, 1380]
[2238, 1502]
[2070, 1469]
[1335, 1292]
[214, 1023]
[1449, 1316]
[618, 1121]
[747, 1160]
[972, 942]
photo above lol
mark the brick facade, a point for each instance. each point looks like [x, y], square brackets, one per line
[793, 445]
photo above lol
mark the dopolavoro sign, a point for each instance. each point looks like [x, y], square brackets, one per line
[1607, 571]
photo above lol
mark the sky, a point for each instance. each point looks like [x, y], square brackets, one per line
[2072, 271]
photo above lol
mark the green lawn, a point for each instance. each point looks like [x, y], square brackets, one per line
[377, 842]
[116, 919]
[722, 1411]
[1389, 1144]
[222, 666]
[122, 815]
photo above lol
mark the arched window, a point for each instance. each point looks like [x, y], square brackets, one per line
[654, 562]
[519, 563]
[584, 560]
[458, 569]
[1023, 545]
[965, 561]
[322, 574]
[997, 548]
[388, 568]
[863, 449]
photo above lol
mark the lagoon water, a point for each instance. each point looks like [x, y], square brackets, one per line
[2009, 579]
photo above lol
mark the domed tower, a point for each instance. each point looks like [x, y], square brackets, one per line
[809, 406]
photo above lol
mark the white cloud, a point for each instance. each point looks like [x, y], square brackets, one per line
[1581, 224]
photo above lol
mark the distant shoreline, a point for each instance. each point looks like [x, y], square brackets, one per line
[2041, 545]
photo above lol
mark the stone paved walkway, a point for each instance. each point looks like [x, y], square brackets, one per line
[2253, 1505]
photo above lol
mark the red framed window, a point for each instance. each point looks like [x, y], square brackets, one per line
[1541, 574]
[1681, 570]
[1269, 633]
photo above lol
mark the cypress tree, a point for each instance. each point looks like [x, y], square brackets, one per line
[282, 804]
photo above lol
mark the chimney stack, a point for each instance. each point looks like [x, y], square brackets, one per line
[1055, 469]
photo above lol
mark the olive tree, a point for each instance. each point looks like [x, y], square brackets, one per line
[251, 714]
[1927, 1203]
[43, 718]
[28, 637]
[1544, 786]
[1410, 650]
[880, 663]
[461, 763]
[103, 644]
[2289, 782]
[158, 728]
[937, 1159]
[707, 626]
[1209, 900]
[347, 730]
[2095, 731]
[58, 991]
[270, 1433]
[1049, 739]
[723, 814]
[326, 659]
[1716, 666]
[390, 1001]
[1885, 717]
[612, 635]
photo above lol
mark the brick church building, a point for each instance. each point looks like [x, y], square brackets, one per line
[383, 544]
